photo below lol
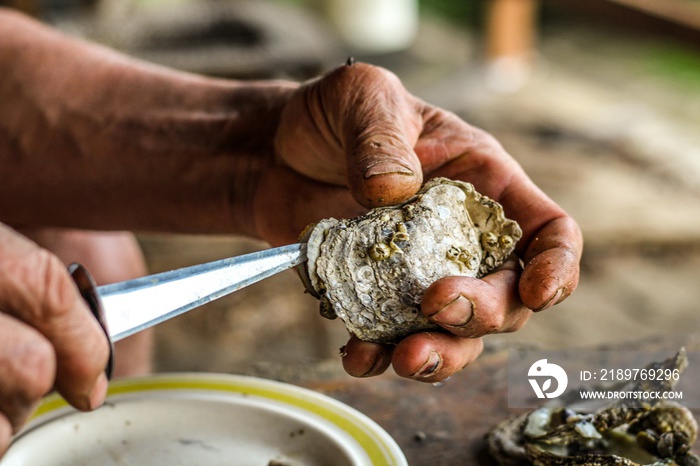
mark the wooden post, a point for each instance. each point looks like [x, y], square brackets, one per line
[511, 28]
[510, 41]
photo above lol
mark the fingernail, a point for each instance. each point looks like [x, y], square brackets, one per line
[430, 366]
[378, 362]
[387, 168]
[99, 392]
[553, 300]
[456, 313]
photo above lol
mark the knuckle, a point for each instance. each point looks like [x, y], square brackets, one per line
[482, 137]
[56, 290]
[36, 286]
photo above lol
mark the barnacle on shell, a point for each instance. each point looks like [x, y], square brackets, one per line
[372, 271]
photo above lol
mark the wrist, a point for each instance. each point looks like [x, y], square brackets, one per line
[195, 157]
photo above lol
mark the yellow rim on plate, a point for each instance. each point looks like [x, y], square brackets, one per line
[369, 436]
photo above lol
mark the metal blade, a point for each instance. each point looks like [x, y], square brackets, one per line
[135, 305]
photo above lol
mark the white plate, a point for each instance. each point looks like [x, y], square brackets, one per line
[204, 419]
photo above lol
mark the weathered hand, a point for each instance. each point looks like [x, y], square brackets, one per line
[355, 139]
[48, 338]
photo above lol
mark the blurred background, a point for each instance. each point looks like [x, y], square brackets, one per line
[598, 100]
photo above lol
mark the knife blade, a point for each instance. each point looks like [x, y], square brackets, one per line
[128, 307]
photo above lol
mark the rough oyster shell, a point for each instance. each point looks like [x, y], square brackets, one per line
[372, 271]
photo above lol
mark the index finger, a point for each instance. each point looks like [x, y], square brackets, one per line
[551, 271]
[552, 242]
[551, 246]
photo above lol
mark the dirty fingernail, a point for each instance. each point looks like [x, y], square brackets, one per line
[553, 300]
[456, 313]
[386, 168]
[99, 392]
[430, 366]
[376, 365]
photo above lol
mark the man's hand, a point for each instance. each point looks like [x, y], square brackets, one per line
[356, 139]
[48, 338]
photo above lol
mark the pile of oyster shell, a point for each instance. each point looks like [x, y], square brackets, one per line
[625, 433]
[372, 271]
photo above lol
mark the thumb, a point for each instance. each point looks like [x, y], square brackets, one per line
[382, 176]
[382, 125]
[356, 126]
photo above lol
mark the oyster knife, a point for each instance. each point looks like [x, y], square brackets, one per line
[126, 308]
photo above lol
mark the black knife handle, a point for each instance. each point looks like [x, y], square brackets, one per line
[88, 290]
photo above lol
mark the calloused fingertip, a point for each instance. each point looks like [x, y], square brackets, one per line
[98, 393]
[365, 359]
[379, 366]
[386, 189]
[413, 355]
[73, 383]
[556, 298]
[430, 367]
[434, 357]
[549, 278]
[455, 314]
[443, 292]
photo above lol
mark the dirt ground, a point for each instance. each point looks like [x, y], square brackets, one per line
[613, 142]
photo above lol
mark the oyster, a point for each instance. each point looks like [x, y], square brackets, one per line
[372, 271]
[626, 433]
